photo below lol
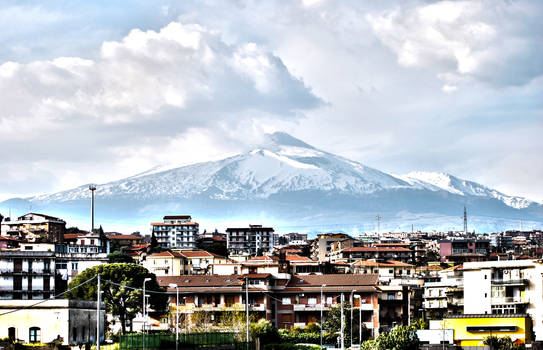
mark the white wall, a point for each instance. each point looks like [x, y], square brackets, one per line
[477, 290]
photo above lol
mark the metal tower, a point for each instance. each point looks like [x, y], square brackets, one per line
[465, 220]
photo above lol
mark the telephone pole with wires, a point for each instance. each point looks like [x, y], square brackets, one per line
[99, 300]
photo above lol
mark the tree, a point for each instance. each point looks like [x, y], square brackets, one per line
[399, 338]
[119, 257]
[120, 298]
[501, 343]
[332, 323]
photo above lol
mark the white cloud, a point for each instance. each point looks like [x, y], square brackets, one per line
[463, 39]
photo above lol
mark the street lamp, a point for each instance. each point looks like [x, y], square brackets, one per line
[92, 188]
[357, 296]
[173, 285]
[322, 308]
[351, 302]
[143, 312]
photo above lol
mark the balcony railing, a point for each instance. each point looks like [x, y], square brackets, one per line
[508, 300]
[500, 281]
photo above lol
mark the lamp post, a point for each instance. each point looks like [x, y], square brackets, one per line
[173, 285]
[92, 188]
[357, 296]
[185, 303]
[351, 302]
[342, 333]
[143, 312]
[322, 308]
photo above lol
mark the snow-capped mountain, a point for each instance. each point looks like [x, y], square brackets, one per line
[288, 181]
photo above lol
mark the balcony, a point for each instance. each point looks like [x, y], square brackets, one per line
[508, 300]
[308, 307]
[435, 304]
[517, 282]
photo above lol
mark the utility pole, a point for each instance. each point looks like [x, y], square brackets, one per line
[322, 308]
[247, 309]
[92, 188]
[378, 224]
[99, 300]
[351, 301]
[342, 323]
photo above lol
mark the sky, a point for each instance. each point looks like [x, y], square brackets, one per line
[94, 91]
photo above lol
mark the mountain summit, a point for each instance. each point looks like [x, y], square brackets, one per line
[294, 184]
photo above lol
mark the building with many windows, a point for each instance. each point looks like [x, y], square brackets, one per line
[28, 273]
[176, 232]
[35, 227]
[252, 241]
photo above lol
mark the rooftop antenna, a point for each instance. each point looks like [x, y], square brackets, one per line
[520, 225]
[378, 224]
[465, 220]
[92, 188]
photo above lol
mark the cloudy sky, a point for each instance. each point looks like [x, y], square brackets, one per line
[92, 91]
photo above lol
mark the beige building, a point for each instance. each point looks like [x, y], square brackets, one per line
[70, 321]
[387, 270]
[166, 264]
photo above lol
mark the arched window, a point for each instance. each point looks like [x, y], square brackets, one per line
[34, 335]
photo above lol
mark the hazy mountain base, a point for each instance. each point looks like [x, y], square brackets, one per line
[305, 211]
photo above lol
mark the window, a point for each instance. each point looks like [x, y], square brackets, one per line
[286, 301]
[311, 301]
[329, 301]
[74, 265]
[34, 335]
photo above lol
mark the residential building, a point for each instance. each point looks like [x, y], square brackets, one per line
[201, 262]
[120, 242]
[80, 252]
[176, 232]
[459, 250]
[35, 227]
[7, 242]
[505, 287]
[387, 270]
[72, 322]
[28, 273]
[322, 245]
[293, 238]
[286, 300]
[166, 264]
[252, 241]
[445, 296]
[350, 255]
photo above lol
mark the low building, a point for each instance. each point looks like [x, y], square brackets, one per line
[322, 245]
[123, 242]
[71, 322]
[473, 329]
[166, 264]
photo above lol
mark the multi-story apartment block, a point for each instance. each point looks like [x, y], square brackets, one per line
[322, 245]
[505, 287]
[35, 227]
[286, 300]
[460, 250]
[176, 232]
[28, 273]
[445, 296]
[253, 240]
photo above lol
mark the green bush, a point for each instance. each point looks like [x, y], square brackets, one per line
[288, 346]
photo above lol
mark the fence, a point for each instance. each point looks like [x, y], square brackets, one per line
[186, 341]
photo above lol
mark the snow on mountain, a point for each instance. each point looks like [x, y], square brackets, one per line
[288, 180]
[443, 181]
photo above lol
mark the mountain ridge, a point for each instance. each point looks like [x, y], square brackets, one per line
[285, 176]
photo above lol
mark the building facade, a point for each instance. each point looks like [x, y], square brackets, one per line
[176, 232]
[252, 241]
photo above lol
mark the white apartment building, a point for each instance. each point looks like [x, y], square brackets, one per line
[445, 296]
[28, 273]
[176, 232]
[253, 240]
[505, 287]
